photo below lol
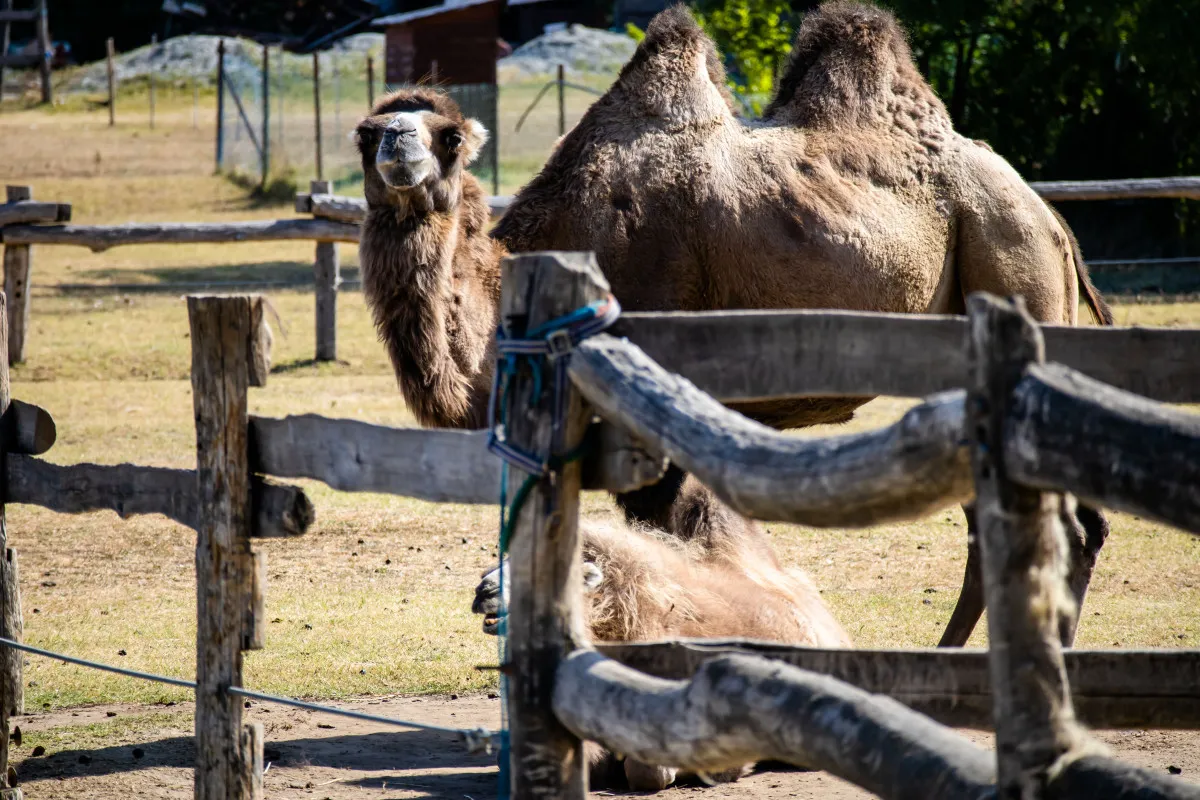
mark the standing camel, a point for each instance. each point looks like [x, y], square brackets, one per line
[854, 192]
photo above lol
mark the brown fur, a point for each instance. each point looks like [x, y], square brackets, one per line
[430, 271]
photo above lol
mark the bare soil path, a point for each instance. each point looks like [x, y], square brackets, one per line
[139, 751]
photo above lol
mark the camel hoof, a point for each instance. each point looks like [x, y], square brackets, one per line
[647, 778]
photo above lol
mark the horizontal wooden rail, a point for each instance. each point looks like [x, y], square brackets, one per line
[32, 211]
[1110, 688]
[758, 355]
[442, 466]
[1185, 188]
[903, 471]
[129, 489]
[737, 709]
[102, 237]
[354, 209]
[1067, 432]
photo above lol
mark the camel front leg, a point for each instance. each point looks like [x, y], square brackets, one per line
[1086, 529]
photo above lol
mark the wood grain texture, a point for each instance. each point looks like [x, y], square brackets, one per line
[441, 466]
[261, 340]
[1067, 432]
[11, 625]
[24, 212]
[545, 612]
[18, 261]
[221, 328]
[738, 709]
[737, 355]
[130, 489]
[1023, 553]
[1110, 688]
[254, 626]
[327, 278]
[1186, 188]
[437, 465]
[904, 471]
[102, 237]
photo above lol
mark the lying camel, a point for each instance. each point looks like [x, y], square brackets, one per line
[854, 192]
[713, 574]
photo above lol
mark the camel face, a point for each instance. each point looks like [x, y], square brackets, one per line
[415, 140]
[494, 588]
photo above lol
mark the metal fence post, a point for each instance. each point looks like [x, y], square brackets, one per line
[220, 104]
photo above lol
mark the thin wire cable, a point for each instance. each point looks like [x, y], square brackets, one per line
[83, 662]
[477, 738]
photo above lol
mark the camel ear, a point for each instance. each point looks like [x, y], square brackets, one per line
[475, 136]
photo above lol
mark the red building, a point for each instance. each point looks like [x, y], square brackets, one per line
[456, 41]
[459, 40]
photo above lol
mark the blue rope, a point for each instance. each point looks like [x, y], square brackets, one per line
[553, 340]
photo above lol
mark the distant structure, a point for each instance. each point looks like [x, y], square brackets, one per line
[639, 12]
[458, 41]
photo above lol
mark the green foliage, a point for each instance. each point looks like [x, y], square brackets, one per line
[754, 35]
[634, 32]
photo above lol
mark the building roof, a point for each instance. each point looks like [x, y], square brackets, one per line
[445, 7]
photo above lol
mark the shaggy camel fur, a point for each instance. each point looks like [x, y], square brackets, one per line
[854, 192]
[712, 574]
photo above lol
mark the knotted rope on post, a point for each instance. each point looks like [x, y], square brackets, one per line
[552, 341]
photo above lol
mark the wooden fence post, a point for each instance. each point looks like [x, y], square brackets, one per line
[370, 82]
[220, 105]
[12, 691]
[43, 39]
[17, 263]
[545, 619]
[327, 277]
[317, 112]
[112, 82]
[224, 333]
[1024, 555]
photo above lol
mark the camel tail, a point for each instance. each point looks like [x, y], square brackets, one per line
[1101, 313]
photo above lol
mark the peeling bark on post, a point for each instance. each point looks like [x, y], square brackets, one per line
[1024, 559]
[222, 330]
[545, 620]
[12, 692]
[18, 260]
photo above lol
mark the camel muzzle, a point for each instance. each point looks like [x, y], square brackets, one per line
[403, 160]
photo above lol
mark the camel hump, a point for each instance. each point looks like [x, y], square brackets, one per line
[848, 58]
[676, 73]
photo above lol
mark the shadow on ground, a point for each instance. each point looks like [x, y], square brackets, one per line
[283, 273]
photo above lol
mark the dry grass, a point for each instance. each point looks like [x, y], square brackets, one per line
[376, 598]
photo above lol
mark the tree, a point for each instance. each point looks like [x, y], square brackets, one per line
[755, 36]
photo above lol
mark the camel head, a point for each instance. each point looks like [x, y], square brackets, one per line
[415, 146]
[495, 587]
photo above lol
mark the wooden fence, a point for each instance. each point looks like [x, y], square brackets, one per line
[1023, 431]
[335, 218]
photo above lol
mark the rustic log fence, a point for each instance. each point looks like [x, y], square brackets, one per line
[1021, 434]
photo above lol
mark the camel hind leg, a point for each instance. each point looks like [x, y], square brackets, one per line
[1086, 529]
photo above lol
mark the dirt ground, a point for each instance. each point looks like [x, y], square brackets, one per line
[317, 756]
